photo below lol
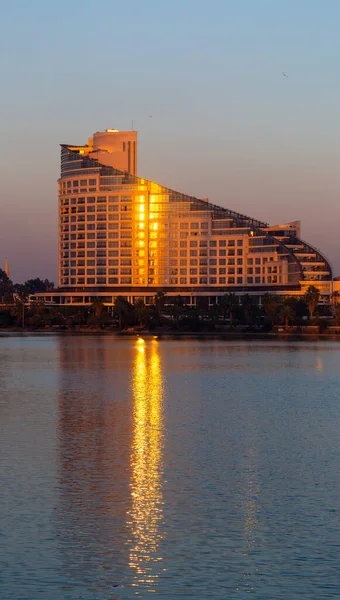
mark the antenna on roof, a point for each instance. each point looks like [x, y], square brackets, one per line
[143, 123]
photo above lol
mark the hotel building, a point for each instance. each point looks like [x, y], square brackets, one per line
[123, 235]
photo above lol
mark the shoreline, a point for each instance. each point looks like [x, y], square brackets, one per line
[232, 335]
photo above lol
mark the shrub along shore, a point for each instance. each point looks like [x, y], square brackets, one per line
[232, 316]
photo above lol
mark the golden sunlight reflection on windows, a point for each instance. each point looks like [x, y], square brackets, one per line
[146, 515]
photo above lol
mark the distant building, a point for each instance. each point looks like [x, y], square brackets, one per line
[122, 235]
[6, 267]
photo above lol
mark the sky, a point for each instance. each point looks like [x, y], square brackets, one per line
[225, 123]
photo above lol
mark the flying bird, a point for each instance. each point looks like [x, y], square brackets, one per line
[284, 74]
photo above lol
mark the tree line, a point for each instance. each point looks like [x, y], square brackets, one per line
[22, 290]
[165, 313]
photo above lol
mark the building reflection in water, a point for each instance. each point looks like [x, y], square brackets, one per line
[146, 515]
[94, 446]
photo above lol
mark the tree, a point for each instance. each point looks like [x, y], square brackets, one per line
[312, 297]
[177, 306]
[140, 311]
[38, 285]
[160, 301]
[122, 309]
[21, 290]
[287, 313]
[335, 298]
[6, 287]
[337, 315]
[98, 306]
[248, 306]
[271, 308]
[228, 304]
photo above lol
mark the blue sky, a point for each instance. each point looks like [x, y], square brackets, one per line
[225, 122]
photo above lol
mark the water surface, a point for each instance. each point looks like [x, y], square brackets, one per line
[172, 469]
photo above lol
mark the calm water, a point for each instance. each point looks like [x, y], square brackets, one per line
[173, 469]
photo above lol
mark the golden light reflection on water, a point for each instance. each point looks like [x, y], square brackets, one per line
[146, 514]
[319, 364]
[250, 506]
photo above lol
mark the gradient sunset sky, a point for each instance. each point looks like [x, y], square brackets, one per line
[226, 124]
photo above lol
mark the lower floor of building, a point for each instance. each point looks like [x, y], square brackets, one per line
[190, 297]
